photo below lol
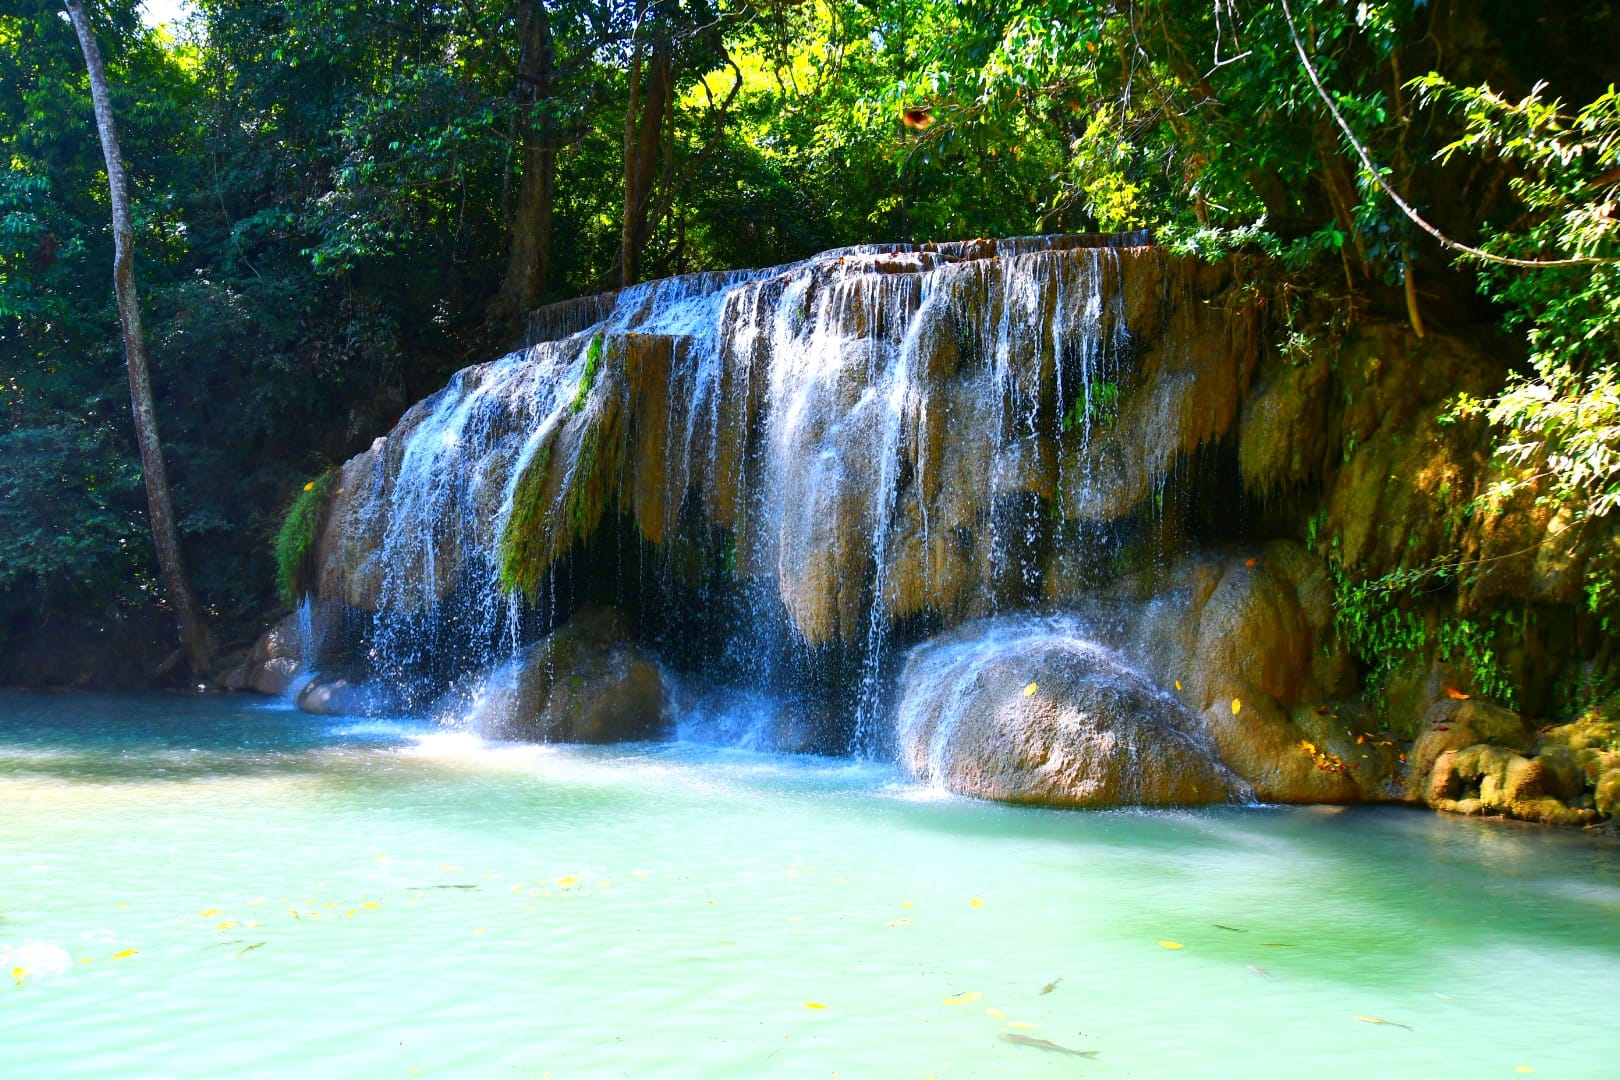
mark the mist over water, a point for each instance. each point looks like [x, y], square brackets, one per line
[371, 896]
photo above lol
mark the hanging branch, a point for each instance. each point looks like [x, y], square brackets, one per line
[1394, 196]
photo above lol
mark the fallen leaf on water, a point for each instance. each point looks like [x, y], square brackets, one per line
[226, 925]
[976, 902]
[965, 998]
[125, 954]
[18, 973]
[1237, 706]
[640, 873]
[995, 1014]
[1025, 1024]
[1456, 695]
[1028, 690]
[87, 959]
[905, 903]
[1378, 1020]
[1051, 986]
[1524, 1069]
[1172, 945]
[210, 911]
[349, 914]
[371, 904]
[450, 866]
[567, 881]
[814, 1005]
[478, 929]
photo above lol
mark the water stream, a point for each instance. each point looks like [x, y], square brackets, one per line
[208, 887]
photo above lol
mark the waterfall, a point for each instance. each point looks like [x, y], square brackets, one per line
[875, 437]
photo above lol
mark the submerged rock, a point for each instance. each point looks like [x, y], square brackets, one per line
[586, 682]
[341, 696]
[1027, 710]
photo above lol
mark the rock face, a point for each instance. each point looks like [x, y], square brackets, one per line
[1027, 711]
[586, 683]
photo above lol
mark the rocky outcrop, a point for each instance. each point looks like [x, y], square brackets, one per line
[1028, 711]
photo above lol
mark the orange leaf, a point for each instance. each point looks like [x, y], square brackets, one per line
[1251, 562]
[1456, 695]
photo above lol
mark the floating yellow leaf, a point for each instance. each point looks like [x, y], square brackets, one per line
[125, 954]
[1025, 1024]
[382, 858]
[87, 959]
[210, 911]
[967, 998]
[478, 929]
[349, 914]
[1524, 1069]
[1171, 945]
[452, 867]
[905, 903]
[226, 925]
[371, 904]
[1237, 706]
[814, 1005]
[976, 902]
[18, 972]
[995, 1014]
[640, 873]
[1030, 689]
[567, 881]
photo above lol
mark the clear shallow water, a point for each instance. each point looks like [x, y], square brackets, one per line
[378, 899]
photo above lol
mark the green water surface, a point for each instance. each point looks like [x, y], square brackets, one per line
[219, 888]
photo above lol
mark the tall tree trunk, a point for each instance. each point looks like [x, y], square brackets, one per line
[644, 122]
[194, 634]
[529, 256]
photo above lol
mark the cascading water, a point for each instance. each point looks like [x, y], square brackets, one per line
[871, 439]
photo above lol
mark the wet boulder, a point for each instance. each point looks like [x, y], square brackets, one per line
[342, 696]
[586, 682]
[1030, 711]
[272, 664]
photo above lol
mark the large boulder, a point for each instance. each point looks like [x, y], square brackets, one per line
[1028, 711]
[586, 682]
[274, 662]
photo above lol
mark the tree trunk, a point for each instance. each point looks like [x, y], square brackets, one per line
[644, 123]
[529, 256]
[194, 634]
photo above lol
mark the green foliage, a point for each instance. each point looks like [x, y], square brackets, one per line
[1558, 425]
[300, 529]
[1391, 621]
